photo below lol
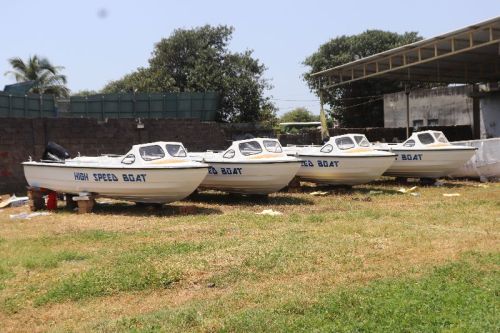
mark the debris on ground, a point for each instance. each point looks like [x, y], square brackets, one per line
[319, 193]
[12, 201]
[365, 199]
[107, 201]
[451, 194]
[439, 183]
[405, 191]
[373, 192]
[28, 216]
[270, 212]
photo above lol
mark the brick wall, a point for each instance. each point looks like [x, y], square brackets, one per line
[21, 138]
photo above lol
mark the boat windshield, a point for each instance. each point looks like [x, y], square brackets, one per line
[426, 138]
[229, 154]
[440, 137]
[327, 148]
[250, 148]
[129, 159]
[150, 153]
[344, 142]
[362, 141]
[176, 150]
[273, 146]
[409, 143]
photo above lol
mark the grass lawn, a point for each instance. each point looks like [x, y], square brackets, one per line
[368, 259]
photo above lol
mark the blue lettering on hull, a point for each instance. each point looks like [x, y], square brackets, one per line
[409, 157]
[134, 178]
[110, 177]
[225, 171]
[320, 163]
[81, 176]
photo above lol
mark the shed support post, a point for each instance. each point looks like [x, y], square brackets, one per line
[322, 117]
[407, 93]
[476, 113]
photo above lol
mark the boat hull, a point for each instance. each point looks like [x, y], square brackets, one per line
[250, 178]
[428, 163]
[343, 170]
[152, 185]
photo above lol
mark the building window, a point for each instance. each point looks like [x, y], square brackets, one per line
[433, 122]
[418, 123]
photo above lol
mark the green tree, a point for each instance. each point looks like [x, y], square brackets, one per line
[198, 59]
[354, 105]
[142, 80]
[47, 77]
[300, 114]
[84, 92]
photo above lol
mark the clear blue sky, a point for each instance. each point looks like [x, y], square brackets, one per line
[98, 41]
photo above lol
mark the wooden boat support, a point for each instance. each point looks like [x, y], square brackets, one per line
[294, 185]
[36, 200]
[85, 201]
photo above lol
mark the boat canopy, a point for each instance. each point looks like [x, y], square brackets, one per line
[426, 138]
[346, 142]
[159, 152]
[253, 148]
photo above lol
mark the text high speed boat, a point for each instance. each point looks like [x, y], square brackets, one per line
[426, 154]
[255, 166]
[158, 172]
[344, 160]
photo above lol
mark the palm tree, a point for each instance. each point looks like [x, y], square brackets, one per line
[47, 78]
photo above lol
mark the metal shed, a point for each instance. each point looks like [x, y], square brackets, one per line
[470, 55]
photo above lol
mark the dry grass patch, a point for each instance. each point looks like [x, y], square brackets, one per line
[74, 272]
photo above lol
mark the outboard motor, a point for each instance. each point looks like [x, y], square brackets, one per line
[54, 152]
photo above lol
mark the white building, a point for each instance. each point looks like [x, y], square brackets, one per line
[445, 106]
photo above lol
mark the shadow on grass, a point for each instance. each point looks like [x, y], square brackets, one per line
[369, 189]
[416, 182]
[158, 210]
[281, 199]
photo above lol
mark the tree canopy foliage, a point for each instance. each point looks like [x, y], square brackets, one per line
[354, 105]
[299, 114]
[198, 59]
[47, 77]
[84, 92]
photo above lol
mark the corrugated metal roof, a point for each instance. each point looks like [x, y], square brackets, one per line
[466, 55]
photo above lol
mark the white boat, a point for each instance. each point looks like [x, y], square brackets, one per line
[426, 154]
[159, 172]
[344, 160]
[484, 164]
[255, 166]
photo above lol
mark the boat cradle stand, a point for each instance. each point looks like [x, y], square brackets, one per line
[35, 198]
[293, 186]
[85, 202]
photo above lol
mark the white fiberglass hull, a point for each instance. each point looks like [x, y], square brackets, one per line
[154, 185]
[250, 177]
[428, 163]
[343, 170]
